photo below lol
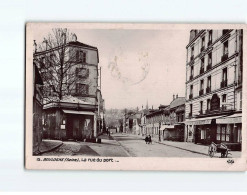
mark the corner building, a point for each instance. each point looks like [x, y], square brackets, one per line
[214, 87]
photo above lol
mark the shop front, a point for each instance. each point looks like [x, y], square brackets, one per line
[219, 129]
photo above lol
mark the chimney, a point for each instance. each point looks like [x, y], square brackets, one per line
[173, 97]
[177, 96]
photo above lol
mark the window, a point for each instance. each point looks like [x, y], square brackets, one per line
[224, 101]
[201, 107]
[208, 104]
[240, 100]
[81, 89]
[210, 36]
[191, 71]
[203, 134]
[223, 133]
[82, 72]
[202, 84]
[81, 56]
[191, 89]
[203, 41]
[191, 108]
[225, 48]
[224, 74]
[209, 82]
[210, 58]
[202, 63]
[192, 51]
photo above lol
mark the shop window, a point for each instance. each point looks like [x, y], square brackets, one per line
[239, 135]
[203, 134]
[223, 133]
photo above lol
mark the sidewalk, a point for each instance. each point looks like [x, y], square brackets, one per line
[49, 145]
[188, 146]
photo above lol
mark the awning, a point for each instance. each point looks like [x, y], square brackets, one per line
[163, 127]
[235, 118]
[78, 112]
[201, 121]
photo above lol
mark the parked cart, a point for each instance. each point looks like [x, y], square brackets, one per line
[218, 148]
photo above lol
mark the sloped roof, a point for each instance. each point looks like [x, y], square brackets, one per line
[177, 102]
[77, 43]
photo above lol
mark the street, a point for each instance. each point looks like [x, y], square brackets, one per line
[122, 145]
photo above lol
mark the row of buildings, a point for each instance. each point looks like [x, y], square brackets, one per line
[67, 99]
[211, 109]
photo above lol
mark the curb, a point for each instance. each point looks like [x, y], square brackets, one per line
[181, 148]
[54, 148]
[123, 147]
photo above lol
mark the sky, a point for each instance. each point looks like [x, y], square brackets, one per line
[138, 66]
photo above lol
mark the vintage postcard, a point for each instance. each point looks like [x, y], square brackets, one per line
[115, 96]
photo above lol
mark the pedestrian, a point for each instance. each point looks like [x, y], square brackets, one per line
[146, 139]
[149, 139]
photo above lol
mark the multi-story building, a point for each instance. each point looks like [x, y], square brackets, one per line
[37, 109]
[72, 101]
[214, 86]
[172, 127]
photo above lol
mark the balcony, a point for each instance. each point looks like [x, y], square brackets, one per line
[209, 66]
[202, 48]
[192, 58]
[223, 83]
[191, 77]
[191, 96]
[224, 57]
[225, 31]
[208, 89]
[207, 111]
[209, 43]
[201, 92]
[201, 70]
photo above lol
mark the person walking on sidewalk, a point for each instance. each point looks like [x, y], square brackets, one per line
[149, 139]
[146, 139]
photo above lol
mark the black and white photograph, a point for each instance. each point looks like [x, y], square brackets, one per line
[135, 92]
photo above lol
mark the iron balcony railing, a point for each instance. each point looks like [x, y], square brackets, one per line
[201, 92]
[201, 70]
[192, 58]
[223, 83]
[209, 66]
[224, 57]
[202, 48]
[209, 43]
[208, 89]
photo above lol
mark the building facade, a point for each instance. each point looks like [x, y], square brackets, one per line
[73, 104]
[214, 86]
[37, 109]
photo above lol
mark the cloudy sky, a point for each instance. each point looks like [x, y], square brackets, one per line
[138, 65]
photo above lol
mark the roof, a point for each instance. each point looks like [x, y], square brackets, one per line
[177, 102]
[77, 43]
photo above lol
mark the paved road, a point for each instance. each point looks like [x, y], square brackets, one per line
[122, 145]
[138, 148]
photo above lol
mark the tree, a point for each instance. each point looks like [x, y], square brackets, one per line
[57, 60]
